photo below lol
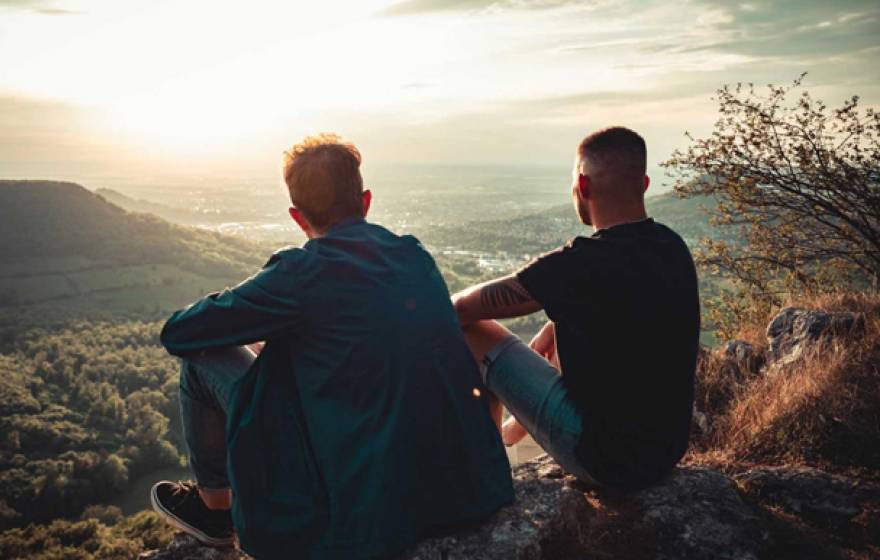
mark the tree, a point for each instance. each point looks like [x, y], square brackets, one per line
[800, 182]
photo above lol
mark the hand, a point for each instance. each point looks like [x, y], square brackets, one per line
[256, 347]
[544, 342]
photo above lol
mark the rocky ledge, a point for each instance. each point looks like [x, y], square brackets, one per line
[696, 513]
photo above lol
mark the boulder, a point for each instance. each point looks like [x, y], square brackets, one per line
[794, 328]
[185, 547]
[695, 513]
[743, 355]
[546, 521]
[820, 498]
[700, 420]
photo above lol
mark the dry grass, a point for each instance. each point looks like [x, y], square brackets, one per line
[822, 410]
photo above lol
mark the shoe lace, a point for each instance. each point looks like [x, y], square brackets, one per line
[184, 487]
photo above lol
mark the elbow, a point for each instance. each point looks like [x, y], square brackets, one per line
[166, 338]
[460, 304]
[170, 336]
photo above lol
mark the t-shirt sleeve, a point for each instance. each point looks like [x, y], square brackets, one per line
[550, 277]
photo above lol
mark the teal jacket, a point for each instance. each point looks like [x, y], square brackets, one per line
[358, 428]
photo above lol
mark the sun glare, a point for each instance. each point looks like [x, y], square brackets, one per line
[216, 79]
[211, 77]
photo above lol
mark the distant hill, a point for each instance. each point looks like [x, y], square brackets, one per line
[184, 216]
[537, 232]
[66, 245]
[70, 253]
[524, 234]
[687, 216]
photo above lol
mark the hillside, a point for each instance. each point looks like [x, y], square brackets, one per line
[470, 252]
[69, 247]
[534, 233]
[89, 406]
[174, 214]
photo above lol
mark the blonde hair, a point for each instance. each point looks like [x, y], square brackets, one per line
[323, 177]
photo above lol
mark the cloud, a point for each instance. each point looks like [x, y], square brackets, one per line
[413, 7]
[795, 27]
[36, 6]
[56, 12]
[782, 18]
[720, 33]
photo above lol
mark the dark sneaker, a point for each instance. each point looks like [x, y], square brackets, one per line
[181, 506]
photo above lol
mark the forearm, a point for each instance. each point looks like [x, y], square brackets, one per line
[237, 316]
[497, 299]
[215, 321]
[465, 306]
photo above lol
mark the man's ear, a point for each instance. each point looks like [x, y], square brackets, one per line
[583, 186]
[367, 199]
[301, 221]
[647, 182]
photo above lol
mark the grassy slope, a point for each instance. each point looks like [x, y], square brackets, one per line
[821, 410]
[69, 252]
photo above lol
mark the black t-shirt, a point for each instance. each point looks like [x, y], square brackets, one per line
[627, 312]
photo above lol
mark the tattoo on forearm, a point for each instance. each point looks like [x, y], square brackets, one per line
[503, 293]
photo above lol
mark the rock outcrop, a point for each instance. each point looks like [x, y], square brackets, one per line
[696, 513]
[789, 333]
[824, 500]
[743, 355]
[185, 547]
[793, 328]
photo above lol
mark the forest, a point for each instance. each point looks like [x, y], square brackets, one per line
[84, 410]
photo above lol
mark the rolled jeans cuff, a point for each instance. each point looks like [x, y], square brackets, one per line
[496, 351]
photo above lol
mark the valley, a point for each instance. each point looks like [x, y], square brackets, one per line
[90, 404]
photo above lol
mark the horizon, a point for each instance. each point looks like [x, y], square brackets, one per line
[101, 89]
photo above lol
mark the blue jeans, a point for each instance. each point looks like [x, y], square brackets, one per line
[206, 379]
[533, 391]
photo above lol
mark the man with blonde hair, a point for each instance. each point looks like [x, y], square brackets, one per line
[606, 387]
[360, 425]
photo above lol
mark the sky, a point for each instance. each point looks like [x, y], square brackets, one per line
[187, 88]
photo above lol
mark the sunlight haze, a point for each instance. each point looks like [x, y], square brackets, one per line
[107, 88]
[197, 285]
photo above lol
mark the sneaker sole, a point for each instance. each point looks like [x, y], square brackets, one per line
[180, 525]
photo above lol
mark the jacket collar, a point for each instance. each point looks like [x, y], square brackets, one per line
[343, 225]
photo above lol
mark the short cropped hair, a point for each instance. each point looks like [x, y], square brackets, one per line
[616, 147]
[323, 177]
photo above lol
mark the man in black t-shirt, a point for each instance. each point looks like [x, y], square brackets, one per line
[606, 386]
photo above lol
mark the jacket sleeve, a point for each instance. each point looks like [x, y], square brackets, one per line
[258, 309]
